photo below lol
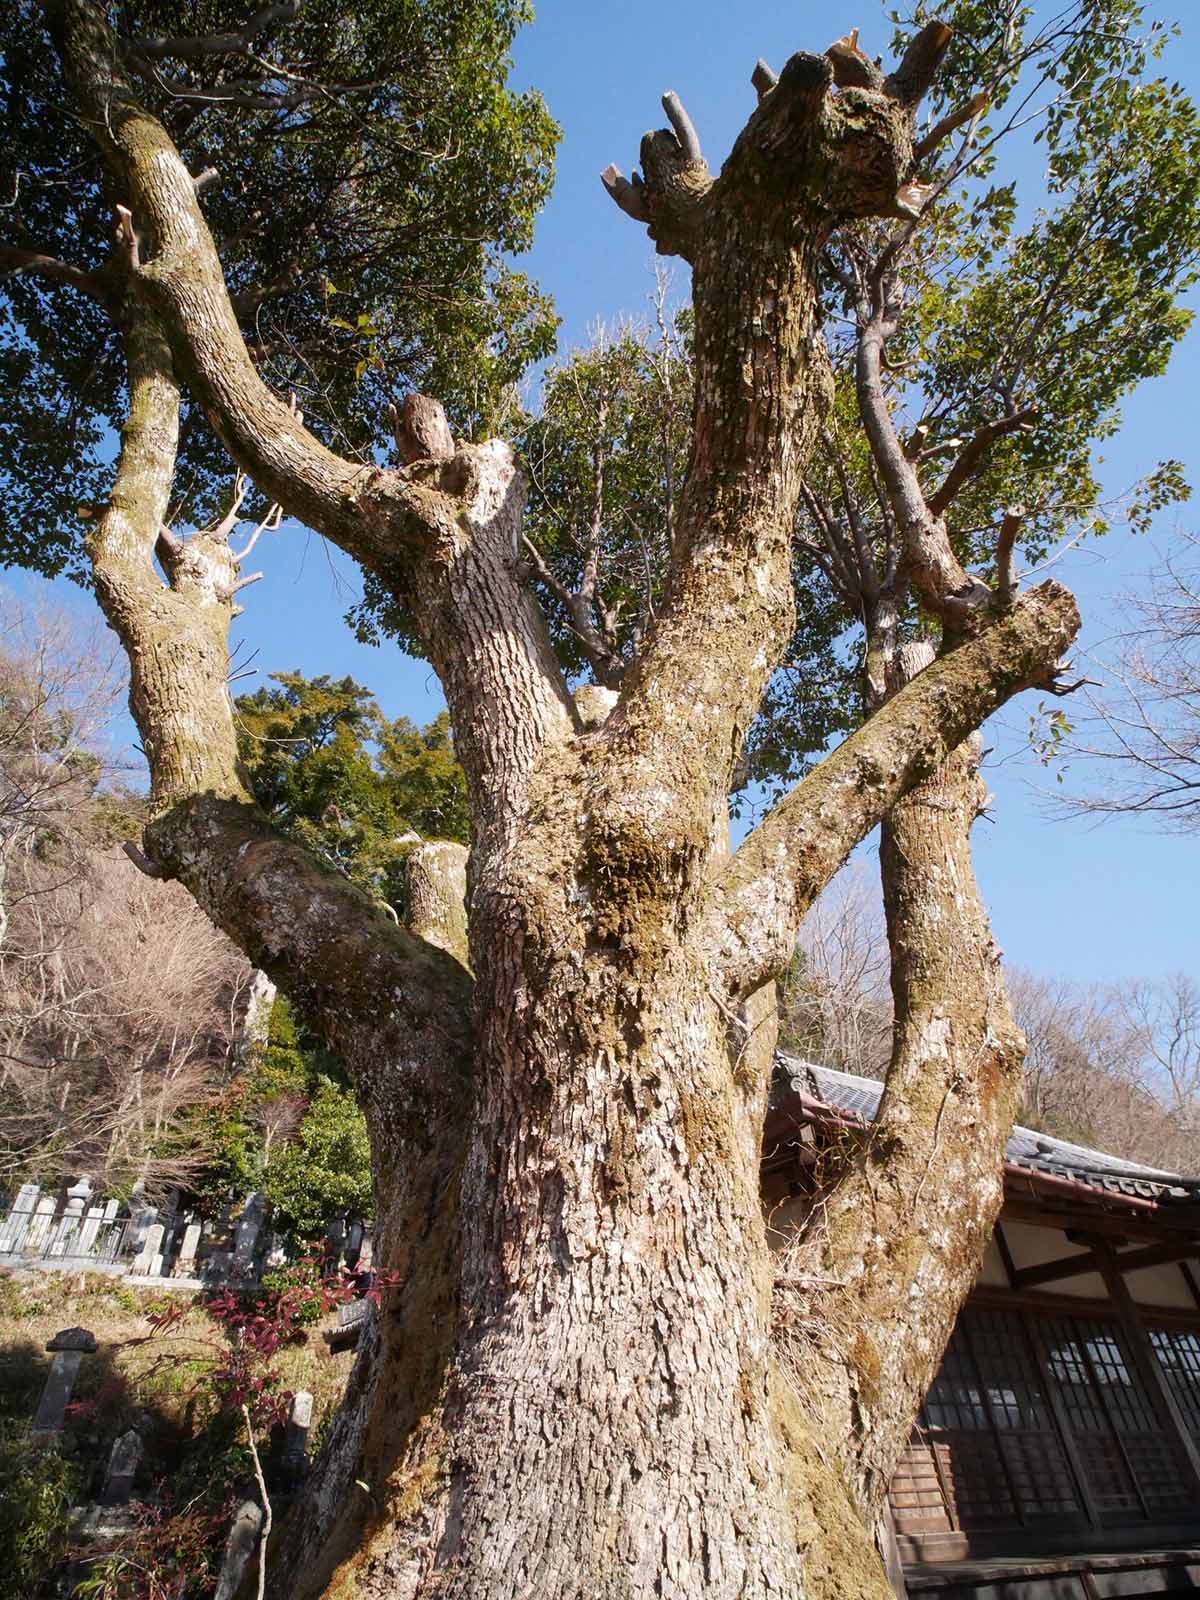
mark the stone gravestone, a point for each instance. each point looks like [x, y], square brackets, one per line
[17, 1224]
[122, 1468]
[239, 1547]
[110, 1231]
[89, 1230]
[187, 1250]
[366, 1251]
[43, 1221]
[151, 1251]
[335, 1242]
[354, 1244]
[251, 1221]
[352, 1318]
[78, 1196]
[295, 1449]
[216, 1266]
[69, 1346]
[141, 1217]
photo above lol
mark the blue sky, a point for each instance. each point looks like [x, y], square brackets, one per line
[1068, 897]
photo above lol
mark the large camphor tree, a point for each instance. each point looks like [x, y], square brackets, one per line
[570, 1390]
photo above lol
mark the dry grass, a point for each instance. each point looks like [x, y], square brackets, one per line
[136, 1377]
[808, 1318]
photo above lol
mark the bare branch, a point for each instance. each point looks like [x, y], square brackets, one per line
[919, 64]
[762, 79]
[268, 524]
[950, 123]
[202, 47]
[628, 196]
[685, 132]
[974, 455]
[779, 869]
[230, 520]
[142, 862]
[14, 260]
[1009, 528]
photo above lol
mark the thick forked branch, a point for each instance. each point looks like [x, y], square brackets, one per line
[395, 1006]
[807, 157]
[974, 455]
[440, 535]
[792, 854]
[938, 576]
[946, 1111]
[317, 934]
[202, 47]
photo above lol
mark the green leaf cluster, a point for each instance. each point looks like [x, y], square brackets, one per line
[365, 234]
[326, 765]
[1061, 301]
[605, 458]
[326, 1169]
[289, 1126]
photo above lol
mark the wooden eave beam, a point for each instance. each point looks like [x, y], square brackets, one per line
[997, 1298]
[1157, 1255]
[1071, 1266]
[1145, 1223]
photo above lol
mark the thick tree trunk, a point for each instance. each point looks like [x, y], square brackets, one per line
[608, 1423]
[894, 1245]
[569, 1390]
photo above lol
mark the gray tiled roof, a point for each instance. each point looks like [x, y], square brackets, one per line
[1033, 1152]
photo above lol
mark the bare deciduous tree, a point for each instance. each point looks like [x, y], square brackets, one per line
[834, 1005]
[1141, 731]
[118, 998]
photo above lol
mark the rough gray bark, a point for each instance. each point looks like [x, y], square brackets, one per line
[894, 1242]
[896, 1234]
[571, 1391]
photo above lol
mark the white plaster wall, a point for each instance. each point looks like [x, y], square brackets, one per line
[992, 1271]
[1162, 1286]
[1030, 1247]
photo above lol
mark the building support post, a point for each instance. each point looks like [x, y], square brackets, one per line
[1149, 1369]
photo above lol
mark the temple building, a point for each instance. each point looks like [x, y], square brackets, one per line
[1057, 1455]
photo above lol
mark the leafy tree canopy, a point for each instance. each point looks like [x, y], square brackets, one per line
[326, 763]
[287, 1125]
[371, 172]
[1039, 309]
[326, 1169]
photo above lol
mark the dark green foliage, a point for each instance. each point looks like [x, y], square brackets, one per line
[328, 766]
[37, 1487]
[1061, 301]
[605, 460]
[287, 1125]
[326, 1169]
[223, 1129]
[363, 232]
